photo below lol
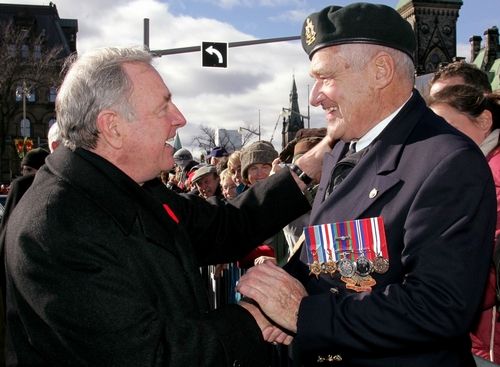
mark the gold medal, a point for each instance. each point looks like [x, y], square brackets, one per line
[359, 284]
[330, 265]
[315, 268]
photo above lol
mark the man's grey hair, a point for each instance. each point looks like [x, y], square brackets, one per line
[358, 55]
[95, 82]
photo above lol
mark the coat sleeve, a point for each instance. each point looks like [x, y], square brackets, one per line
[447, 240]
[87, 299]
[225, 231]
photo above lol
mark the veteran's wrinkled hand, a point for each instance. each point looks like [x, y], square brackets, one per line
[277, 293]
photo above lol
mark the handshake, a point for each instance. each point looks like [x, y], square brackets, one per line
[272, 297]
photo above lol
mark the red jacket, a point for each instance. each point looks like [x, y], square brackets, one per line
[487, 330]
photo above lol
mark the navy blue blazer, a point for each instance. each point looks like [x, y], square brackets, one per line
[434, 190]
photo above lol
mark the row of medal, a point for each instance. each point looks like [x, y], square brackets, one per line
[348, 267]
[355, 249]
[354, 273]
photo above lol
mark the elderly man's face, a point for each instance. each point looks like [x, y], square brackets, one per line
[148, 138]
[207, 185]
[344, 94]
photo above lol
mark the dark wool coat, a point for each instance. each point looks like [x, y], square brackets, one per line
[100, 273]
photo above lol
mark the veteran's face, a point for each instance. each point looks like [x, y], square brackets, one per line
[150, 135]
[344, 94]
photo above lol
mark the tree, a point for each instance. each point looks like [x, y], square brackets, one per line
[26, 64]
[206, 139]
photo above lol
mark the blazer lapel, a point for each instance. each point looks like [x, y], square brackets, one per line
[373, 176]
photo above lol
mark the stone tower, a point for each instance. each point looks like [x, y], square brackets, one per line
[293, 121]
[434, 23]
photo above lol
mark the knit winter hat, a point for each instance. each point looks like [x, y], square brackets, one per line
[182, 157]
[257, 152]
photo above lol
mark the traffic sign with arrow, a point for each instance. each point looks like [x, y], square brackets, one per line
[214, 54]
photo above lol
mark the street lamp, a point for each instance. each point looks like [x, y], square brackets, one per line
[24, 92]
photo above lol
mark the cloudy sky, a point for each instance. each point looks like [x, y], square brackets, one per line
[258, 79]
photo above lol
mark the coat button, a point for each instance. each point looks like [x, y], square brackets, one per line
[373, 193]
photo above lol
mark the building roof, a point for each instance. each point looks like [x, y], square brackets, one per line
[45, 20]
[491, 67]
[495, 70]
[402, 3]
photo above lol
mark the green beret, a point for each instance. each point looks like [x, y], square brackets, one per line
[358, 23]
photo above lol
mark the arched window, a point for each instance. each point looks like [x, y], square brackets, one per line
[25, 127]
[52, 94]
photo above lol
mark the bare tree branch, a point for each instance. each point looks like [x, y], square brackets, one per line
[24, 58]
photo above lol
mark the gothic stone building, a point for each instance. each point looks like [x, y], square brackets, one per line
[36, 105]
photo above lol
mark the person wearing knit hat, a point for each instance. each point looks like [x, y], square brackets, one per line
[33, 160]
[256, 164]
[182, 157]
[256, 161]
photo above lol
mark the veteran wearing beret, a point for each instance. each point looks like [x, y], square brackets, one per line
[397, 253]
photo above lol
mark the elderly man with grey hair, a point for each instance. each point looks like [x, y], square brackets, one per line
[395, 261]
[102, 260]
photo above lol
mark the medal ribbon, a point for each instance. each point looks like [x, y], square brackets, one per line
[355, 237]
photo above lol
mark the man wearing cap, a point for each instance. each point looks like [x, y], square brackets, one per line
[184, 162]
[216, 154]
[207, 182]
[399, 277]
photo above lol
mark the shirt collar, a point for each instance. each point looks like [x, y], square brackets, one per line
[375, 131]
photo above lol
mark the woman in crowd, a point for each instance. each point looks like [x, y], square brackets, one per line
[477, 115]
[256, 165]
[228, 185]
[234, 166]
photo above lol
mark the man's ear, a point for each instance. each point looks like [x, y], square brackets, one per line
[108, 125]
[384, 69]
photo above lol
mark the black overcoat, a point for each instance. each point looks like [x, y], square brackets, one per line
[101, 273]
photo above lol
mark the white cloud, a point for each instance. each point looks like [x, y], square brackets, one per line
[296, 15]
[257, 78]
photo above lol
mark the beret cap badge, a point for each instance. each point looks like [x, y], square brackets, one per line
[358, 23]
[310, 33]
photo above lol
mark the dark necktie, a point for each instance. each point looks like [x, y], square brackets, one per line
[344, 166]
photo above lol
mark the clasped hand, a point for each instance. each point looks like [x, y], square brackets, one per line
[278, 295]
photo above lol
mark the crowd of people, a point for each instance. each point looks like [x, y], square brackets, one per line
[369, 242]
